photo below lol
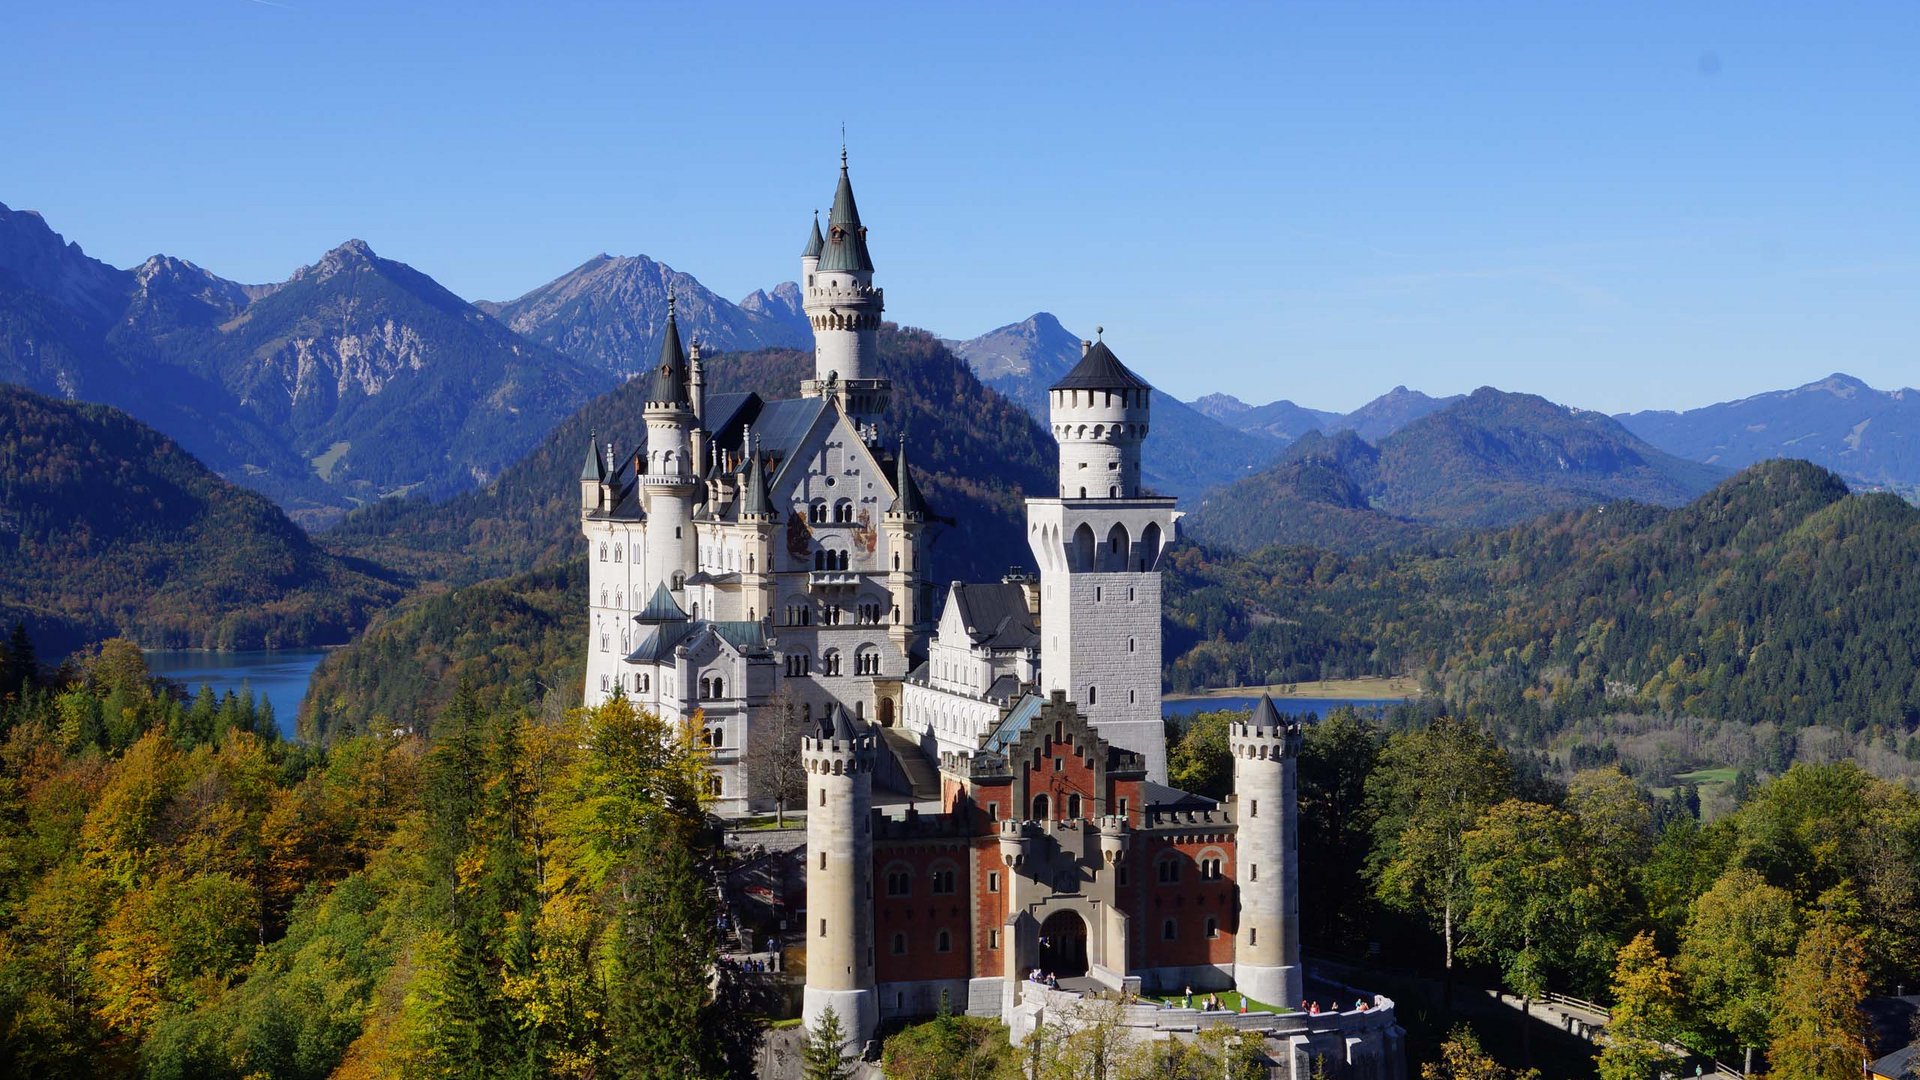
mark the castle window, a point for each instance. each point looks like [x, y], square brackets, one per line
[899, 944]
[867, 663]
[993, 939]
[817, 512]
[713, 785]
[830, 663]
[603, 552]
[943, 881]
[1210, 869]
[603, 641]
[1059, 764]
[1039, 808]
[1096, 594]
[641, 682]
[676, 532]
[823, 928]
[603, 598]
[1123, 806]
[1129, 640]
[1168, 870]
[1253, 937]
[993, 811]
[1253, 872]
[993, 881]
[943, 943]
[823, 796]
[899, 883]
[1113, 493]
[796, 665]
[1093, 695]
[603, 684]
[843, 512]
[1143, 566]
[1073, 807]
[1213, 927]
[1253, 807]
[1168, 930]
[679, 580]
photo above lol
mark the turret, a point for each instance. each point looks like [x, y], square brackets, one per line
[903, 521]
[1099, 416]
[839, 766]
[1265, 751]
[671, 480]
[810, 257]
[844, 308]
[697, 401]
[593, 478]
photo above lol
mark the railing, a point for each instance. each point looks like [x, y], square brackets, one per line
[1563, 999]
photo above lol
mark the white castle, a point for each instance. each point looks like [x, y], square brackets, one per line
[753, 548]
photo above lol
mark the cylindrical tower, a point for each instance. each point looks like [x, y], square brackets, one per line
[670, 481]
[844, 309]
[839, 765]
[1266, 951]
[1099, 416]
[810, 258]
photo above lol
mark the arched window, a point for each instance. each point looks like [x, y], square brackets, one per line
[679, 580]
[713, 785]
[641, 682]
[899, 944]
[944, 942]
[899, 880]
[830, 662]
[1039, 808]
[719, 690]
[944, 878]
[1073, 806]
[603, 551]
[843, 512]
[817, 512]
[1167, 870]
[617, 548]
[1083, 545]
[1093, 695]
[619, 599]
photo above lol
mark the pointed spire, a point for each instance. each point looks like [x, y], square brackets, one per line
[1264, 714]
[816, 242]
[670, 375]
[754, 500]
[662, 608]
[840, 726]
[595, 469]
[907, 500]
[846, 238]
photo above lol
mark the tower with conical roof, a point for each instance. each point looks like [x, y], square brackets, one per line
[1099, 545]
[1266, 949]
[844, 307]
[669, 481]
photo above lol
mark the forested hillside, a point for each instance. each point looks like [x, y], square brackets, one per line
[1776, 597]
[108, 528]
[974, 463]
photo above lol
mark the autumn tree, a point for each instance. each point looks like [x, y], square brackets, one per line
[1461, 1058]
[1817, 1029]
[1737, 939]
[1426, 794]
[1646, 1014]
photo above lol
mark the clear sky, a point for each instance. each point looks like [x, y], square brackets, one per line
[1615, 205]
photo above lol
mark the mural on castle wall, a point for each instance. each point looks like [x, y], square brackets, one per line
[799, 537]
[865, 537]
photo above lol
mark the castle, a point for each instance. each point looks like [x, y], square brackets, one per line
[986, 797]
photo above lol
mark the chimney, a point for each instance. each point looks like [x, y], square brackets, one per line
[1085, 346]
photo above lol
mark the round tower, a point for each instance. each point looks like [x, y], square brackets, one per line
[844, 308]
[670, 482]
[1266, 951]
[810, 256]
[839, 928]
[1099, 416]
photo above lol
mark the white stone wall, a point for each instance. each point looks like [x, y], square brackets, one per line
[946, 722]
[1099, 432]
[1267, 863]
[839, 919]
[616, 588]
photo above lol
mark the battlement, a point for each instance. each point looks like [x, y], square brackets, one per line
[838, 756]
[914, 825]
[1264, 742]
[1153, 820]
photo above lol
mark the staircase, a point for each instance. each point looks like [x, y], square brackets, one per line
[922, 778]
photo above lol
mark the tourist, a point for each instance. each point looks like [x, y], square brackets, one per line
[1189, 997]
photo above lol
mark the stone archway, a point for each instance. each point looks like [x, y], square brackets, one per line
[886, 712]
[1063, 945]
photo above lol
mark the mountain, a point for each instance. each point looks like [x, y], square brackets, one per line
[1186, 453]
[1286, 421]
[356, 378]
[1867, 435]
[609, 312]
[1390, 412]
[109, 528]
[1490, 459]
[975, 467]
[1774, 598]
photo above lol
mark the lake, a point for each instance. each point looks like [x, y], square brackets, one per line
[279, 675]
[1285, 706]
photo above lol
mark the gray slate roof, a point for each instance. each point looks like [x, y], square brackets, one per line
[661, 608]
[995, 615]
[596, 467]
[670, 374]
[1100, 370]
[816, 241]
[846, 247]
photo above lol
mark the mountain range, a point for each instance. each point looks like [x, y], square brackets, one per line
[1870, 437]
[1489, 459]
[610, 312]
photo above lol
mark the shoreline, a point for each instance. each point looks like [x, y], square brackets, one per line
[1390, 688]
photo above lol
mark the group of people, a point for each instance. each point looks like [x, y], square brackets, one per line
[1047, 978]
[1312, 1008]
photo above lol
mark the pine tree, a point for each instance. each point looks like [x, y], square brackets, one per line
[825, 1056]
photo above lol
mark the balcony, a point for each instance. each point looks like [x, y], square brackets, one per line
[833, 579]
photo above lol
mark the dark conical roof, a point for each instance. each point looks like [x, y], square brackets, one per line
[840, 725]
[816, 241]
[670, 374]
[596, 467]
[1100, 370]
[907, 499]
[753, 495]
[1264, 714]
[662, 608]
[846, 242]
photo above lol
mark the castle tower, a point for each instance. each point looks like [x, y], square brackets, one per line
[839, 927]
[756, 513]
[844, 307]
[670, 482]
[1098, 546]
[1267, 949]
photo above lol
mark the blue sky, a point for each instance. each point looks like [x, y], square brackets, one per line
[1615, 205]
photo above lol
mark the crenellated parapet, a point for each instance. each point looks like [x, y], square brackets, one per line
[1254, 741]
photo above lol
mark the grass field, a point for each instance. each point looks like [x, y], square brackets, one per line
[1703, 777]
[1393, 686]
[325, 462]
[1230, 1001]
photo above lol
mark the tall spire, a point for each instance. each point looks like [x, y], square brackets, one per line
[670, 375]
[907, 500]
[846, 247]
[753, 494]
[596, 468]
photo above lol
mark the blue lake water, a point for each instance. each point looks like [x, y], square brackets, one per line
[279, 675]
[1287, 706]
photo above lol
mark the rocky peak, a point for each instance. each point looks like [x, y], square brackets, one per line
[1222, 407]
[30, 249]
[350, 256]
[167, 276]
